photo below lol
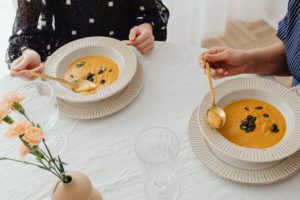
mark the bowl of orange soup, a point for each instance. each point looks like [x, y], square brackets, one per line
[260, 126]
[109, 63]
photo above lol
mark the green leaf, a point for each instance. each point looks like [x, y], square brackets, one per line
[61, 166]
[18, 107]
[8, 119]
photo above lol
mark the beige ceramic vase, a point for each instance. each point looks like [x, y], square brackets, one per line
[80, 188]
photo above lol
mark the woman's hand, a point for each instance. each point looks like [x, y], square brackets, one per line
[29, 61]
[225, 61]
[142, 38]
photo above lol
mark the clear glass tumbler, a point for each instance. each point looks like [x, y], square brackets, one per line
[41, 107]
[157, 150]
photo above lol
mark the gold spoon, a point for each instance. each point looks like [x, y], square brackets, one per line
[216, 116]
[77, 85]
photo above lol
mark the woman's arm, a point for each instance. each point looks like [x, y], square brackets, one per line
[153, 12]
[225, 61]
[32, 29]
[270, 60]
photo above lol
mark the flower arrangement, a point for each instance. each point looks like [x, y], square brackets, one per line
[31, 136]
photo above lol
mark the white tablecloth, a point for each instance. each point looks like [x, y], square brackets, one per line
[104, 148]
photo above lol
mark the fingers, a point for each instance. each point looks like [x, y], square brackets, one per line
[145, 43]
[142, 38]
[40, 69]
[215, 54]
[25, 74]
[134, 32]
[219, 57]
[216, 50]
[17, 61]
[147, 49]
[18, 73]
[20, 64]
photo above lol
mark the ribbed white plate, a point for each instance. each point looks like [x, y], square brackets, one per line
[276, 173]
[261, 89]
[114, 49]
[107, 106]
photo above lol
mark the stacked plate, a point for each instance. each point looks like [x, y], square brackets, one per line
[107, 100]
[241, 164]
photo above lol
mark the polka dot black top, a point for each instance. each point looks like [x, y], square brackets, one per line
[45, 25]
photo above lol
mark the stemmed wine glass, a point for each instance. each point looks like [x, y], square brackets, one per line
[41, 107]
[157, 150]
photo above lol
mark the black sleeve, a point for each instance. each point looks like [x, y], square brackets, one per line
[155, 13]
[32, 29]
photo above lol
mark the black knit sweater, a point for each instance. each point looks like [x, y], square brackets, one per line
[46, 25]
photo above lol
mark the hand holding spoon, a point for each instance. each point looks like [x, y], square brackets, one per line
[77, 85]
[216, 116]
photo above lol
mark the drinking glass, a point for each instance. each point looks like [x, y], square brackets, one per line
[41, 107]
[157, 150]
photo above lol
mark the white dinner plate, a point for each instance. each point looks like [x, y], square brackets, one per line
[286, 101]
[275, 173]
[111, 48]
[107, 106]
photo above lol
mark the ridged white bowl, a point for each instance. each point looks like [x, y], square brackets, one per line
[260, 89]
[114, 49]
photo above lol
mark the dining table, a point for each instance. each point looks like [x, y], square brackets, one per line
[104, 149]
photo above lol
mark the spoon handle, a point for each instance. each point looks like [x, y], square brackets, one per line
[48, 77]
[211, 88]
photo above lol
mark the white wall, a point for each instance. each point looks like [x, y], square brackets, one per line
[188, 19]
[275, 11]
[6, 23]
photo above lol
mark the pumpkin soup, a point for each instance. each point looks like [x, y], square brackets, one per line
[98, 69]
[254, 124]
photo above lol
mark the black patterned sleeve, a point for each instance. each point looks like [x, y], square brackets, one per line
[155, 13]
[32, 29]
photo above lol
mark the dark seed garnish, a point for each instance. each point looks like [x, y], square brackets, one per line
[71, 76]
[246, 108]
[250, 128]
[243, 127]
[103, 82]
[248, 124]
[258, 108]
[274, 128]
[90, 77]
[110, 70]
[244, 121]
[252, 120]
[100, 71]
[265, 115]
[249, 117]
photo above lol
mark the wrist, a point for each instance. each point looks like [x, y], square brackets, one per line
[250, 62]
[147, 26]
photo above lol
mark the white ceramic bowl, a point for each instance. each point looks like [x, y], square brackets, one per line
[93, 46]
[260, 89]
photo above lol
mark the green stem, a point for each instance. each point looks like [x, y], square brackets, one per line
[61, 173]
[26, 117]
[48, 159]
[19, 161]
[50, 167]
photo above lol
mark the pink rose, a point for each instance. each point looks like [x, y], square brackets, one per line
[4, 109]
[14, 97]
[18, 128]
[24, 150]
[33, 136]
